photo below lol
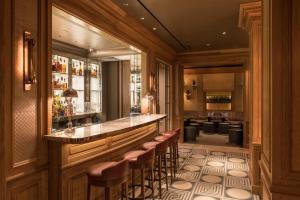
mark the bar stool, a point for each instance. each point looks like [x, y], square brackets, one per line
[160, 154]
[143, 161]
[169, 137]
[173, 146]
[107, 175]
[176, 136]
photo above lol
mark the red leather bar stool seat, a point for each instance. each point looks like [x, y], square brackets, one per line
[107, 175]
[132, 156]
[149, 145]
[95, 172]
[143, 161]
[162, 138]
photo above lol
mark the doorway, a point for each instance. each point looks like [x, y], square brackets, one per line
[214, 107]
[163, 94]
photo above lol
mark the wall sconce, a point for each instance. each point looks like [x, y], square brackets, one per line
[152, 82]
[194, 84]
[188, 94]
[190, 89]
[147, 103]
[29, 61]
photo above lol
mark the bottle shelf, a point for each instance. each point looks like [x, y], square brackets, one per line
[60, 73]
[77, 75]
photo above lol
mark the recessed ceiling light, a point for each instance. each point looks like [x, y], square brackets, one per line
[125, 4]
[142, 18]
[224, 33]
[154, 28]
[208, 44]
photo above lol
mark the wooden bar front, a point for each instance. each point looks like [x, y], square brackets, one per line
[69, 162]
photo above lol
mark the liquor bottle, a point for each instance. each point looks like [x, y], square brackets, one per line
[80, 71]
[64, 66]
[53, 64]
[77, 69]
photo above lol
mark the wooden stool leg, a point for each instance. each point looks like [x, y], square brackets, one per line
[151, 183]
[126, 190]
[166, 169]
[177, 154]
[159, 175]
[107, 193]
[133, 183]
[122, 191]
[171, 162]
[143, 183]
[174, 159]
[89, 191]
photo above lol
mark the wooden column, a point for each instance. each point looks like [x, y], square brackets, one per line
[178, 100]
[250, 20]
[280, 162]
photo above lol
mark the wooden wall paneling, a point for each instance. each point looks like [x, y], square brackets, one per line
[5, 63]
[25, 122]
[179, 98]
[24, 103]
[33, 186]
[265, 162]
[28, 114]
[125, 85]
[295, 165]
[144, 74]
[246, 107]
[280, 143]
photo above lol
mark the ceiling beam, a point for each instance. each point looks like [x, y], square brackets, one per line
[214, 58]
[214, 70]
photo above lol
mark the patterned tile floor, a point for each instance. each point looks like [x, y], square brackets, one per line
[211, 173]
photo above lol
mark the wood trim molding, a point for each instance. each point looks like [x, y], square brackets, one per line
[250, 20]
[5, 59]
[214, 58]
[214, 70]
[249, 12]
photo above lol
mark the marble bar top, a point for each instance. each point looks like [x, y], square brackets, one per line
[102, 130]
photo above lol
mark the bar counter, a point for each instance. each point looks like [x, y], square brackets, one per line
[102, 130]
[72, 154]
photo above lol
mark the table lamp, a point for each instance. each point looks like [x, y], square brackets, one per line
[149, 97]
[69, 94]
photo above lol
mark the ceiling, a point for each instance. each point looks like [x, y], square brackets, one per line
[70, 30]
[193, 25]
